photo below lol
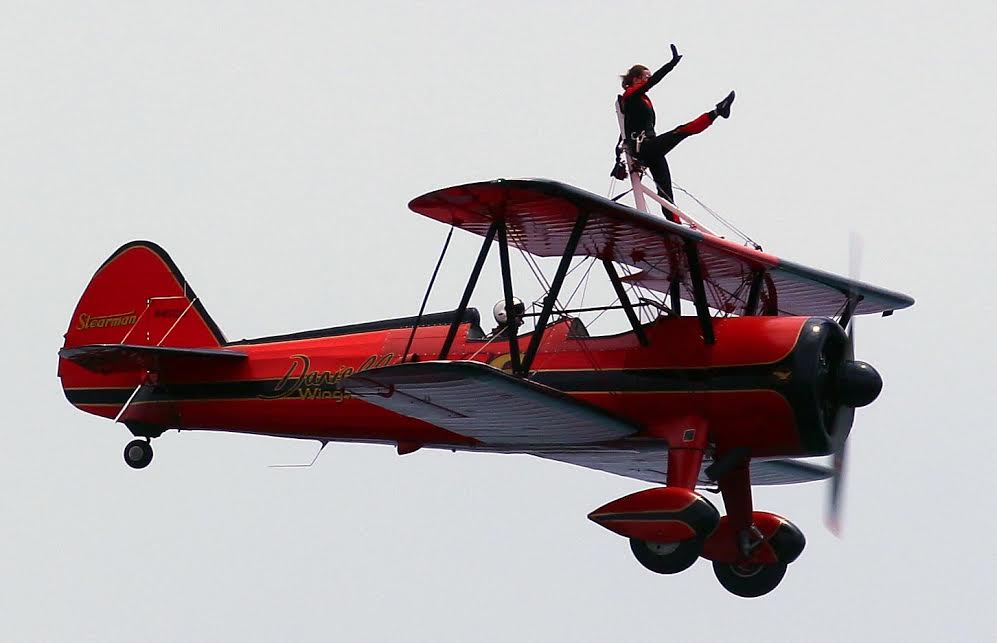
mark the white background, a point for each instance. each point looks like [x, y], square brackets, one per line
[272, 149]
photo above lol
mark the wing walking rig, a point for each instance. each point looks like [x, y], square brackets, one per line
[759, 374]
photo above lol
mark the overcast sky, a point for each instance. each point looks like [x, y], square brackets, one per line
[272, 149]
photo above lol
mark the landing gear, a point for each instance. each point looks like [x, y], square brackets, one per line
[138, 454]
[666, 558]
[749, 580]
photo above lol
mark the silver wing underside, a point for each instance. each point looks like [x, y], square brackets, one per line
[510, 415]
[484, 403]
[648, 461]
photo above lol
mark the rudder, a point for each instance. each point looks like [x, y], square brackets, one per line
[137, 297]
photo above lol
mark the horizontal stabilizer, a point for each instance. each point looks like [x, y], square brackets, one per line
[119, 358]
[486, 404]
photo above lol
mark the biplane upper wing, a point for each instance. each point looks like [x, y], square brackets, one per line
[541, 214]
[481, 402]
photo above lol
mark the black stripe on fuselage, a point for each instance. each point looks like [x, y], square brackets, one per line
[87, 396]
[736, 378]
[243, 390]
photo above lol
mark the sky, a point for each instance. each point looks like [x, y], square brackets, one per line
[272, 148]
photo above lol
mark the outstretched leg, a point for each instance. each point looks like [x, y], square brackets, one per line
[664, 143]
[653, 150]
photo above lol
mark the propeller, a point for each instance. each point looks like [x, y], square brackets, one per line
[840, 429]
[856, 384]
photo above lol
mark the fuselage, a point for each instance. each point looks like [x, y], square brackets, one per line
[758, 386]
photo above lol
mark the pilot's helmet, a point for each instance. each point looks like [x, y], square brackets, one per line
[518, 310]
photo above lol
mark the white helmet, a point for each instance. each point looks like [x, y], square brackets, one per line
[518, 309]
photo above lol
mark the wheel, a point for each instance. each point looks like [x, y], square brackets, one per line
[666, 558]
[750, 580]
[138, 454]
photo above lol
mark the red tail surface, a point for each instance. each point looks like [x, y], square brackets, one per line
[137, 297]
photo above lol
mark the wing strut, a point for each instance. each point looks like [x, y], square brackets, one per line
[625, 301]
[555, 289]
[510, 330]
[472, 281]
[846, 315]
[751, 307]
[699, 292]
[675, 294]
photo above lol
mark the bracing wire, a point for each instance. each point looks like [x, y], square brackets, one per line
[596, 318]
[537, 274]
[540, 276]
[531, 261]
[716, 215]
[591, 262]
[588, 273]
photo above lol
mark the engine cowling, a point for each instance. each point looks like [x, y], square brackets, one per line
[659, 515]
[826, 381]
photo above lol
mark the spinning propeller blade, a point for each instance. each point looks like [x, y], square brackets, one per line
[853, 377]
[843, 421]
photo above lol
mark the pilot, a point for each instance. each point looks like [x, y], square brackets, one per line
[648, 147]
[502, 318]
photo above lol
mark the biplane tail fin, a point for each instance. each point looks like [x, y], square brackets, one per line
[138, 296]
[137, 299]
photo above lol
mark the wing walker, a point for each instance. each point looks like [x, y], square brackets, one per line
[735, 366]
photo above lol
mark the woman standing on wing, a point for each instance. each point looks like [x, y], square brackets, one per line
[638, 124]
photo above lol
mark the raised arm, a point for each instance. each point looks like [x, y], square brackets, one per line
[639, 88]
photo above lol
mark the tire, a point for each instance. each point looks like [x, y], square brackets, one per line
[666, 558]
[749, 581]
[138, 454]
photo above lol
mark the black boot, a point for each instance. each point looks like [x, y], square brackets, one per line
[723, 107]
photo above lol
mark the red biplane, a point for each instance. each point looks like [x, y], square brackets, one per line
[761, 373]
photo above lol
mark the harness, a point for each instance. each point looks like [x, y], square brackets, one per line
[631, 145]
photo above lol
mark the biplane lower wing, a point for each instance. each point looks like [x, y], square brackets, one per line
[540, 216]
[480, 402]
[118, 358]
[511, 415]
[647, 460]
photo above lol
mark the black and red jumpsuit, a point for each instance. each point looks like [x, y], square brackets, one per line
[650, 148]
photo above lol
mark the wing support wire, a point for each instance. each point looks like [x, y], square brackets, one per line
[177, 322]
[472, 281]
[555, 289]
